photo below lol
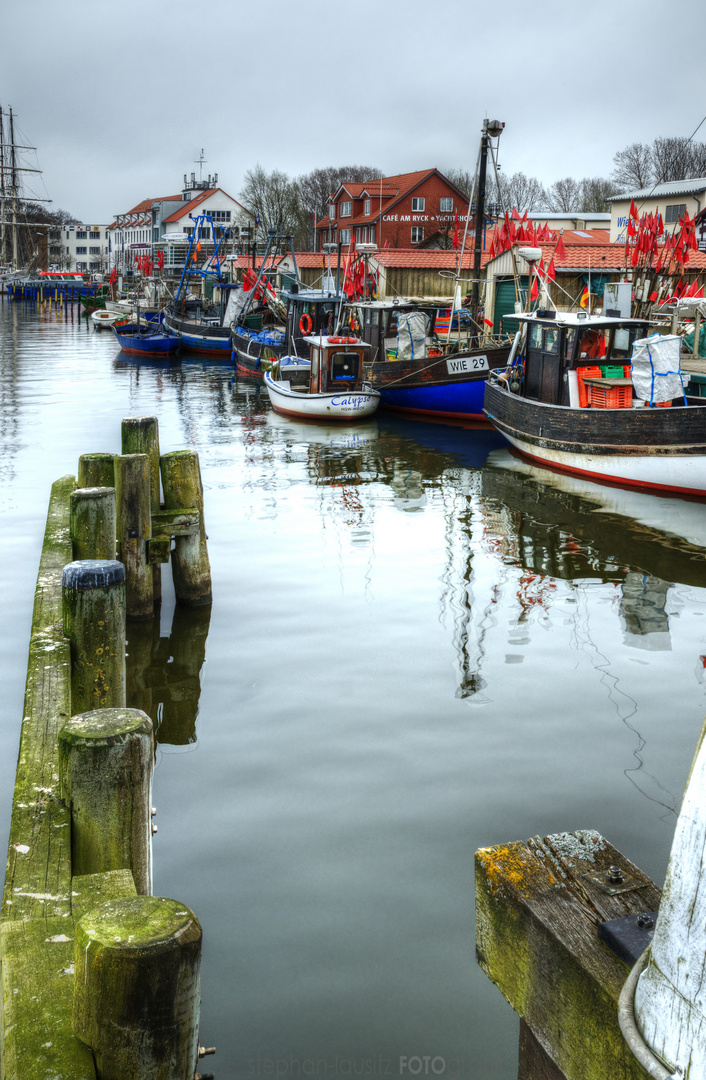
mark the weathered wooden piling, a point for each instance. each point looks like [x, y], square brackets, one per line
[96, 470]
[191, 569]
[93, 522]
[105, 764]
[132, 483]
[136, 988]
[93, 605]
[140, 435]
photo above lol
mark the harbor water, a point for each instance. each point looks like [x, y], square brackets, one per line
[418, 646]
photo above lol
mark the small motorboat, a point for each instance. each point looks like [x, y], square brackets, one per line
[135, 340]
[104, 320]
[329, 386]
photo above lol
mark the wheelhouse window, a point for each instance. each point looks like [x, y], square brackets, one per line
[417, 234]
[346, 208]
[446, 206]
[344, 367]
[673, 213]
[418, 205]
[592, 345]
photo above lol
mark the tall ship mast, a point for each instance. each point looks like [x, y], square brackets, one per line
[15, 237]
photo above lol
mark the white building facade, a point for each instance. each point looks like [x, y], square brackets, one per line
[85, 247]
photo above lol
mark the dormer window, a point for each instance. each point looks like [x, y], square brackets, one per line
[366, 208]
[346, 208]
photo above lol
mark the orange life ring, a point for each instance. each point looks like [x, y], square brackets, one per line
[305, 324]
[336, 340]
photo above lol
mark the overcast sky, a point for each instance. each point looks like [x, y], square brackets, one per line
[119, 98]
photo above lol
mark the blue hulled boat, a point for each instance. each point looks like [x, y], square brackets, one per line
[136, 340]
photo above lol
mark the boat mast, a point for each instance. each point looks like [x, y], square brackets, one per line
[2, 189]
[491, 130]
[13, 188]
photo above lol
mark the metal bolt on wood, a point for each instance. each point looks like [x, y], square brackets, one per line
[106, 761]
[93, 608]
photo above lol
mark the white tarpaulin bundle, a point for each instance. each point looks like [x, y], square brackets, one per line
[412, 329]
[656, 368]
[237, 299]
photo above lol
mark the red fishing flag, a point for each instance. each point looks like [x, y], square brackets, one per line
[551, 270]
[535, 291]
[560, 250]
[455, 240]
[633, 210]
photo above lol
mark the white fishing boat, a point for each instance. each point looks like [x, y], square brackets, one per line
[330, 386]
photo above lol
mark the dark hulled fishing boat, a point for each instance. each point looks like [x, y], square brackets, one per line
[590, 395]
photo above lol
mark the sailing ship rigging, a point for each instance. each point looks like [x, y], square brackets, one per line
[18, 229]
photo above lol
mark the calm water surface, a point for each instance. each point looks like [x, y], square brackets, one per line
[415, 650]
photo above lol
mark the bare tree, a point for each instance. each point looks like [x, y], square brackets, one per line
[676, 158]
[317, 187]
[564, 196]
[524, 192]
[276, 199]
[595, 192]
[633, 167]
[462, 179]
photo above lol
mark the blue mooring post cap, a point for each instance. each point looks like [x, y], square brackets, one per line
[93, 574]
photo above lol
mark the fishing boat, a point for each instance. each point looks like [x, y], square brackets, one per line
[136, 340]
[418, 366]
[422, 363]
[202, 324]
[329, 386]
[594, 396]
[269, 326]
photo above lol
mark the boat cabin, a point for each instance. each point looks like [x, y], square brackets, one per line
[336, 364]
[557, 346]
[309, 311]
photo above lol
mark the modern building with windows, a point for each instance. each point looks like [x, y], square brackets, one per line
[84, 247]
[671, 199]
[409, 210]
[167, 223]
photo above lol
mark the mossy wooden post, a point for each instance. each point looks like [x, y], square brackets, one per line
[93, 523]
[191, 569]
[96, 470]
[140, 435]
[136, 988]
[106, 761]
[93, 606]
[538, 906]
[132, 483]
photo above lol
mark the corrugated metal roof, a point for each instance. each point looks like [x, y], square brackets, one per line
[672, 187]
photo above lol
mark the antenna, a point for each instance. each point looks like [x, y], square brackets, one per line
[201, 161]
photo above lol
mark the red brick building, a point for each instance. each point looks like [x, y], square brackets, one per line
[396, 212]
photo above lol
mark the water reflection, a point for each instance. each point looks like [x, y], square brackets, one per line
[163, 673]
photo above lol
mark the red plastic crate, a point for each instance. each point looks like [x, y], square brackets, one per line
[610, 397]
[586, 373]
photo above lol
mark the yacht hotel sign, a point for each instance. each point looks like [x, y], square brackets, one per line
[427, 217]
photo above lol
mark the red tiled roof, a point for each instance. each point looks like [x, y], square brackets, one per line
[598, 256]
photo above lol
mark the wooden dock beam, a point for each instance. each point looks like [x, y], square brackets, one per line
[538, 908]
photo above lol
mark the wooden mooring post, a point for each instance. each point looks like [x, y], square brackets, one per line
[609, 979]
[99, 978]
